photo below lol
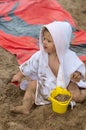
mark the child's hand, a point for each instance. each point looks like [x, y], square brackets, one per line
[17, 77]
[76, 76]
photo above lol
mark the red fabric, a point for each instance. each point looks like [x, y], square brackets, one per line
[32, 12]
[23, 47]
[80, 38]
[83, 58]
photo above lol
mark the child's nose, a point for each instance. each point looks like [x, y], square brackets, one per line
[44, 41]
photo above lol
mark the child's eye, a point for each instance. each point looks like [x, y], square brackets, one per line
[49, 41]
[43, 39]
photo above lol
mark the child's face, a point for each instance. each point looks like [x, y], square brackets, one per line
[48, 43]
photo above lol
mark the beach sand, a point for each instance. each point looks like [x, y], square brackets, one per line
[41, 117]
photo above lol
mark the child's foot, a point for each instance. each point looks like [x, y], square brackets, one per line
[20, 109]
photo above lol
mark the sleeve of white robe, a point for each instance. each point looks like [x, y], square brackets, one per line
[30, 67]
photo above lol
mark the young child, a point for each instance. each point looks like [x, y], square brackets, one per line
[54, 65]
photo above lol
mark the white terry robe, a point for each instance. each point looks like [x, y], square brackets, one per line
[37, 66]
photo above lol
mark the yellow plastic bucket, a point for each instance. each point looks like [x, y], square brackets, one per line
[59, 106]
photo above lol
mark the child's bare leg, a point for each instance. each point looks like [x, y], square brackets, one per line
[83, 95]
[28, 99]
[78, 95]
[83, 91]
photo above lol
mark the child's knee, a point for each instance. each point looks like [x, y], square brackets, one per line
[77, 97]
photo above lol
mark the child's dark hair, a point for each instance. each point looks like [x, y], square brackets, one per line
[45, 29]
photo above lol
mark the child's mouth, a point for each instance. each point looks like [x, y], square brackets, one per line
[45, 47]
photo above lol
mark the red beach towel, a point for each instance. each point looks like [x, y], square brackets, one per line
[20, 23]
